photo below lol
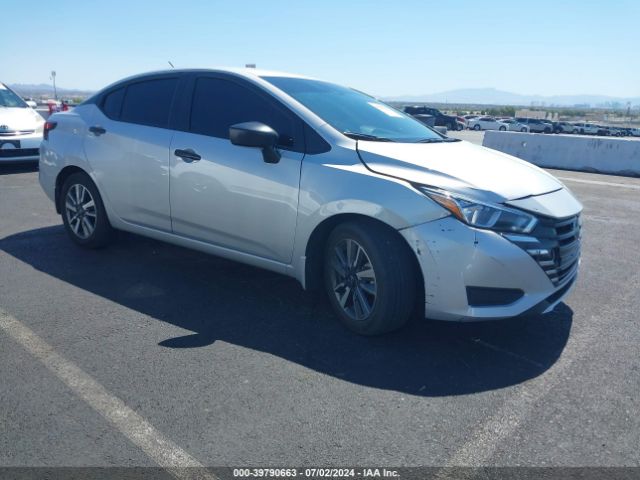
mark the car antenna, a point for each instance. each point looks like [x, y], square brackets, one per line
[169, 62]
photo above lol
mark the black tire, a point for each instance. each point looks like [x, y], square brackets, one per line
[460, 127]
[394, 277]
[502, 129]
[477, 127]
[547, 130]
[102, 232]
[523, 129]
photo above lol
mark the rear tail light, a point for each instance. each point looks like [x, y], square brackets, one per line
[48, 126]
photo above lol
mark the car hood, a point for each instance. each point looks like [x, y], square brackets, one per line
[460, 167]
[20, 118]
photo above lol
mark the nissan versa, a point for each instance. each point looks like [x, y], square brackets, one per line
[320, 182]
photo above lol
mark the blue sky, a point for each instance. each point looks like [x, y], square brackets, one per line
[385, 48]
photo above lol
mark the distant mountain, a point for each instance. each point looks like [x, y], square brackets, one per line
[45, 89]
[492, 96]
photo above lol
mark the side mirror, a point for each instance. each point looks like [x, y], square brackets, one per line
[257, 135]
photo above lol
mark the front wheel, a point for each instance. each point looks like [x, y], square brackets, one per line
[502, 129]
[369, 277]
[476, 127]
[83, 212]
[523, 130]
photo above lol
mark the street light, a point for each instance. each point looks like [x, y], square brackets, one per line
[53, 77]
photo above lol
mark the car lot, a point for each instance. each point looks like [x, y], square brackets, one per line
[238, 366]
[231, 365]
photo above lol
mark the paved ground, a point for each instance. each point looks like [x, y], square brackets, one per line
[198, 359]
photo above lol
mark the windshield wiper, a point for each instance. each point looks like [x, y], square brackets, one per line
[438, 140]
[364, 136]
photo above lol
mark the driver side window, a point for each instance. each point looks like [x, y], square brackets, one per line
[217, 104]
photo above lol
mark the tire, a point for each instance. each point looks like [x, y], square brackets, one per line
[379, 269]
[575, 131]
[523, 130]
[476, 127]
[547, 130]
[502, 129]
[92, 228]
[460, 127]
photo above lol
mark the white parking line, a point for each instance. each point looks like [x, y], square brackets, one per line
[162, 450]
[598, 182]
[496, 429]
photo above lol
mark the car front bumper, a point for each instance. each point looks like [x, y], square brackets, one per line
[20, 148]
[457, 261]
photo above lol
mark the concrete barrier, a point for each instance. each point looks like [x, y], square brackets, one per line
[570, 152]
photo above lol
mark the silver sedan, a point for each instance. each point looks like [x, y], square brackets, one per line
[319, 182]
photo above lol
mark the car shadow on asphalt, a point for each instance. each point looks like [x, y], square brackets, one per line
[13, 168]
[218, 299]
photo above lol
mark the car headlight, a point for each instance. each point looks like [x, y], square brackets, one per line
[483, 215]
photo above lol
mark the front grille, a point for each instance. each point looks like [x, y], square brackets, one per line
[13, 133]
[555, 246]
[19, 152]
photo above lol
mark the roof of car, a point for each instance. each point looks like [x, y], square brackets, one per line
[245, 72]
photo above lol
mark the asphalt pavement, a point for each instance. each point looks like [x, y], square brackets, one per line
[143, 351]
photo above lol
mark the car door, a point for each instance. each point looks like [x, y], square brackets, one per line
[127, 147]
[230, 197]
[485, 123]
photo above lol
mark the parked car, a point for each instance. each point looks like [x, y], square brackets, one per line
[21, 128]
[564, 127]
[635, 132]
[603, 131]
[514, 126]
[487, 123]
[536, 125]
[319, 182]
[615, 132]
[441, 120]
[586, 128]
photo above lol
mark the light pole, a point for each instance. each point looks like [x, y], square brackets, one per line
[53, 77]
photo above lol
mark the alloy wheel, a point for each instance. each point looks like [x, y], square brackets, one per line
[80, 209]
[353, 279]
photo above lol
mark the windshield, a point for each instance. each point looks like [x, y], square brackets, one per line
[353, 113]
[10, 99]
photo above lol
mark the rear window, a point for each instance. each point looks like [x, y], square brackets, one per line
[149, 102]
[112, 103]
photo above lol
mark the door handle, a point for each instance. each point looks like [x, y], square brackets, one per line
[97, 130]
[188, 155]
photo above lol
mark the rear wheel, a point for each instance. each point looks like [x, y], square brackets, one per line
[502, 129]
[369, 278]
[476, 127]
[83, 212]
[523, 129]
